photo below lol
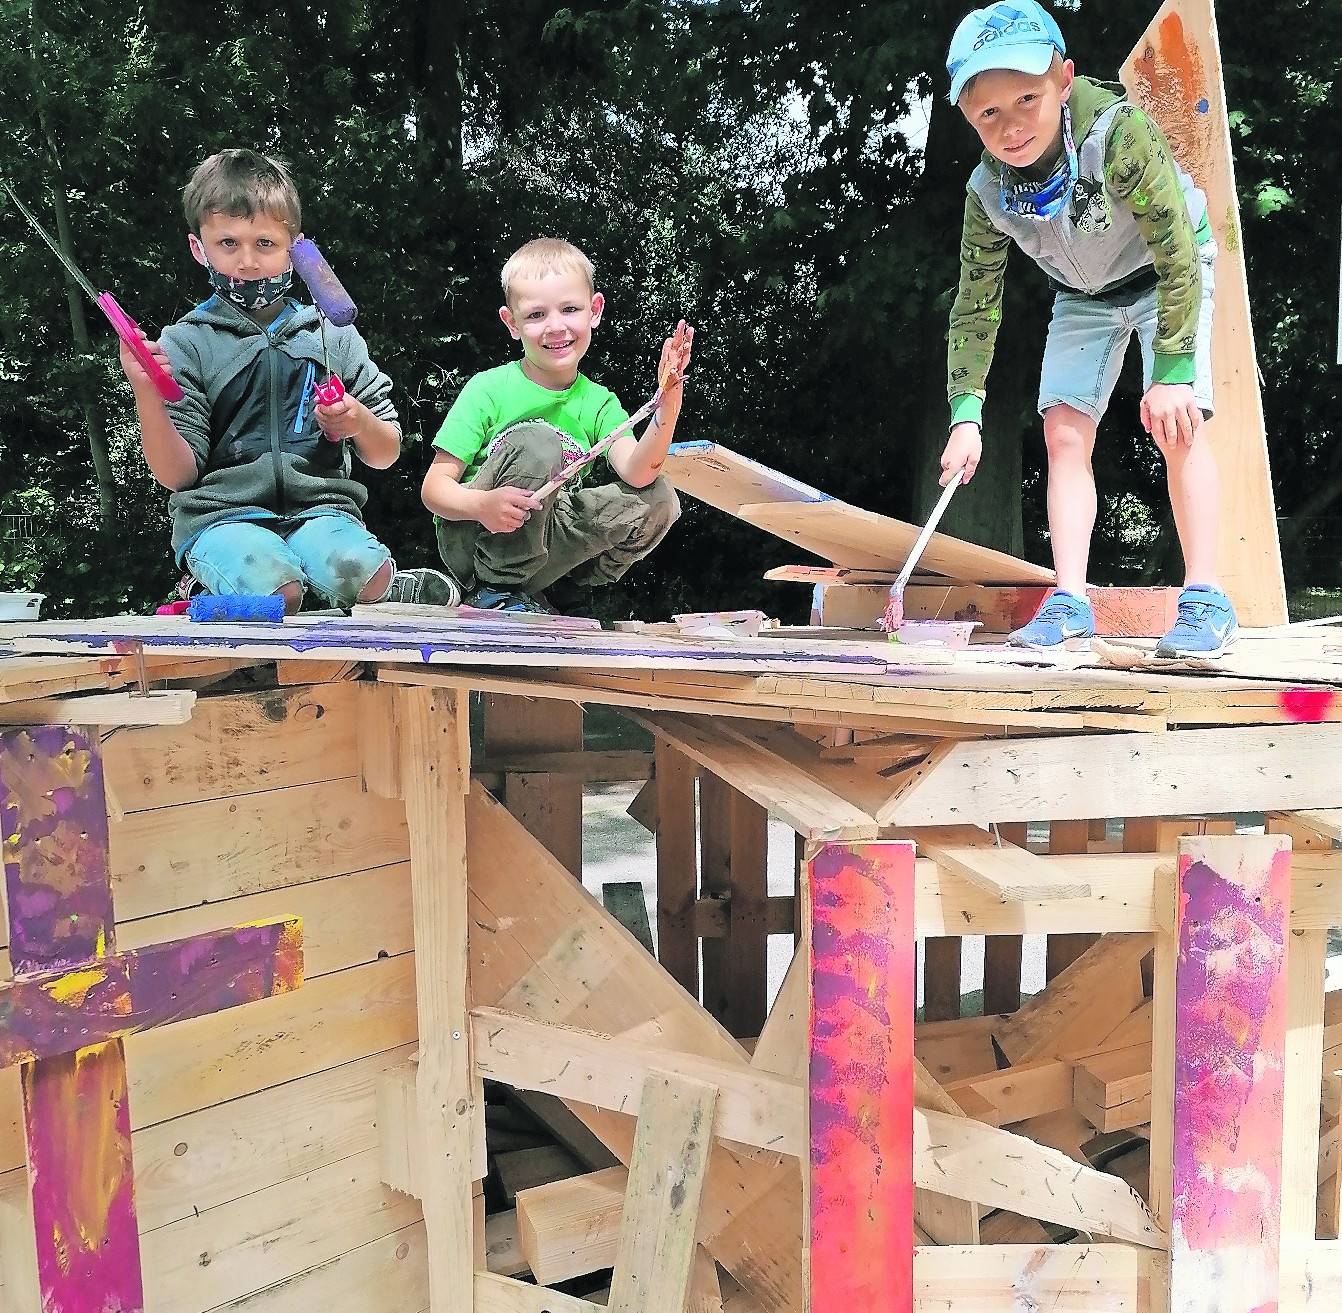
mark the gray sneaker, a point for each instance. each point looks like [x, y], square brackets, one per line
[424, 588]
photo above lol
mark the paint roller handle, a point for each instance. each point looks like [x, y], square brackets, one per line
[330, 392]
[129, 332]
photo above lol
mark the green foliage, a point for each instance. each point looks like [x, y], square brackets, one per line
[753, 165]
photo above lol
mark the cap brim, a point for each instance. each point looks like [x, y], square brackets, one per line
[1032, 59]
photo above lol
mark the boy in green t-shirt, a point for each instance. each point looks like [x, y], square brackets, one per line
[515, 427]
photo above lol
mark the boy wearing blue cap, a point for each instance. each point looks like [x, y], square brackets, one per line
[1085, 184]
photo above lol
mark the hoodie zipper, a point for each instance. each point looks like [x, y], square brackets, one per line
[273, 389]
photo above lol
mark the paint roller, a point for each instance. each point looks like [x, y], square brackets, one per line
[242, 608]
[332, 302]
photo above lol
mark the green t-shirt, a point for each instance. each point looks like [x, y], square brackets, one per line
[496, 399]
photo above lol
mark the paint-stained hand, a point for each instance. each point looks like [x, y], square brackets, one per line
[346, 419]
[964, 450]
[139, 378]
[1171, 414]
[675, 361]
[505, 510]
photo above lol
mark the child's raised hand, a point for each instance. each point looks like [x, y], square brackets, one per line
[136, 373]
[1171, 414]
[964, 450]
[675, 361]
[505, 510]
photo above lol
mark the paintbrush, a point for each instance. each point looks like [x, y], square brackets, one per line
[669, 376]
[894, 611]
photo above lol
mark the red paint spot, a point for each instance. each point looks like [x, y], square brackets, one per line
[1310, 705]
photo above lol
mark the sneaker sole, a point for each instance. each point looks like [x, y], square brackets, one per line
[1067, 645]
[1190, 654]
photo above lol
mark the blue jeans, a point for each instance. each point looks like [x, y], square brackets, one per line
[335, 554]
[1088, 338]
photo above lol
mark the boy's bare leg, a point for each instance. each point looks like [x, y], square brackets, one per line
[1195, 498]
[1069, 435]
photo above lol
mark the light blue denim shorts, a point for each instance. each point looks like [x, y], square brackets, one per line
[1088, 338]
[333, 553]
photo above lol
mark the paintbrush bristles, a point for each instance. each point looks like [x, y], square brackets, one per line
[328, 293]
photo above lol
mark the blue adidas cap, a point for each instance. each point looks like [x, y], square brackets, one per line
[1016, 34]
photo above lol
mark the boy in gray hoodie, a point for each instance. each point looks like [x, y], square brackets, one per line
[263, 495]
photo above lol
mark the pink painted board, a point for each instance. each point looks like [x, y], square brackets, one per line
[861, 1078]
[1230, 1041]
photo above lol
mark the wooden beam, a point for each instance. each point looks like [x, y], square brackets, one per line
[1230, 1038]
[655, 1255]
[1012, 874]
[435, 771]
[1003, 955]
[943, 1219]
[859, 1098]
[1067, 838]
[569, 1228]
[156, 707]
[498, 1294]
[1258, 768]
[677, 867]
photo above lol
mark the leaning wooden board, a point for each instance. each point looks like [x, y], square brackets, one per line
[1174, 73]
[832, 529]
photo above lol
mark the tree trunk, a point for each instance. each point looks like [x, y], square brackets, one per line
[94, 419]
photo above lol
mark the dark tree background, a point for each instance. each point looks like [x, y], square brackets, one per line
[786, 176]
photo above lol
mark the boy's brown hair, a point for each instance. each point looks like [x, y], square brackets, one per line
[546, 255]
[242, 183]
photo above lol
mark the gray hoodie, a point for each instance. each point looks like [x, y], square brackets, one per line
[247, 414]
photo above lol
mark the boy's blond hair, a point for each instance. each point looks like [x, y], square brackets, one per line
[546, 255]
[241, 183]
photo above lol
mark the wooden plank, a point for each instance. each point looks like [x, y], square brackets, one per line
[666, 1180]
[1113, 1090]
[1119, 612]
[1009, 873]
[1174, 72]
[524, 1169]
[435, 772]
[157, 707]
[235, 744]
[782, 788]
[1307, 953]
[849, 536]
[1066, 838]
[643, 809]
[569, 1228]
[942, 1219]
[1003, 954]
[715, 886]
[992, 1278]
[1230, 1041]
[677, 866]
[726, 480]
[782, 1047]
[1030, 1089]
[1090, 997]
[626, 902]
[1069, 778]
[496, 1294]
[860, 1086]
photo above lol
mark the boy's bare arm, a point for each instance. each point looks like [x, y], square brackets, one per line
[500, 510]
[639, 462]
[168, 455]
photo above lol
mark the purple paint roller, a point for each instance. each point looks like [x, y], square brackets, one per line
[245, 608]
[332, 302]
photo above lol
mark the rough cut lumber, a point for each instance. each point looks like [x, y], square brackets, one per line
[1113, 1090]
[1031, 1089]
[1125, 774]
[1012, 874]
[435, 771]
[497, 1294]
[1090, 997]
[943, 1219]
[525, 1169]
[677, 866]
[849, 536]
[726, 480]
[156, 707]
[655, 1254]
[569, 1228]
[1174, 73]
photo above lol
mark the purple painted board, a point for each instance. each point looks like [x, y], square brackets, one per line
[58, 1012]
[1230, 1043]
[53, 824]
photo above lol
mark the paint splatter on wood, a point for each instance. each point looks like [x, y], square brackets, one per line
[1170, 78]
[861, 1078]
[1230, 1038]
[72, 998]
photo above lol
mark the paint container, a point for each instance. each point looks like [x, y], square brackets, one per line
[950, 634]
[20, 606]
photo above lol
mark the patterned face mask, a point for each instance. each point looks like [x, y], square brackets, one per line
[1043, 200]
[252, 293]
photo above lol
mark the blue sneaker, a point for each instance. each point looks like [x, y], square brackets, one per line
[1206, 626]
[1063, 620]
[496, 599]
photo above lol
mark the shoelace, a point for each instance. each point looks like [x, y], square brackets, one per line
[1192, 612]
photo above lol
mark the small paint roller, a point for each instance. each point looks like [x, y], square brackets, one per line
[332, 302]
[894, 611]
[244, 608]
